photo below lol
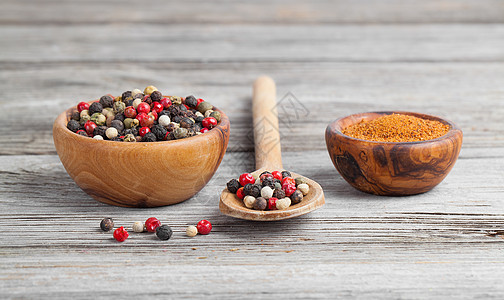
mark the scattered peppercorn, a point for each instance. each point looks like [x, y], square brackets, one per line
[204, 227]
[151, 224]
[191, 231]
[120, 234]
[107, 224]
[164, 232]
[138, 226]
[164, 116]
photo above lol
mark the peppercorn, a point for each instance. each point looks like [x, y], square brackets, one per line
[304, 188]
[191, 231]
[209, 122]
[266, 192]
[240, 194]
[180, 133]
[216, 115]
[208, 112]
[98, 118]
[106, 101]
[260, 204]
[265, 172]
[246, 178]
[191, 101]
[204, 106]
[156, 96]
[84, 119]
[138, 226]
[164, 232]
[289, 189]
[100, 130]
[136, 102]
[164, 120]
[108, 111]
[82, 106]
[233, 185]
[135, 92]
[278, 185]
[286, 174]
[268, 182]
[149, 137]
[118, 139]
[272, 203]
[255, 190]
[129, 138]
[117, 125]
[120, 234]
[73, 125]
[95, 107]
[159, 131]
[111, 133]
[129, 123]
[98, 137]
[151, 224]
[278, 193]
[119, 107]
[300, 180]
[204, 227]
[75, 116]
[296, 197]
[107, 224]
[249, 201]
[126, 96]
[283, 203]
[247, 188]
[288, 180]
[186, 123]
[277, 175]
[82, 132]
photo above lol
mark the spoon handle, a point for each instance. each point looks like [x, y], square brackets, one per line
[268, 153]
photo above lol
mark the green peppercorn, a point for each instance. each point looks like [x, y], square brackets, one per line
[130, 123]
[278, 185]
[300, 180]
[296, 197]
[130, 138]
[204, 106]
[216, 115]
[180, 133]
[176, 100]
[119, 107]
[208, 113]
[98, 118]
[84, 119]
[164, 232]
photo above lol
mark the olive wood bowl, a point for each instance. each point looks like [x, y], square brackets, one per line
[391, 168]
[141, 174]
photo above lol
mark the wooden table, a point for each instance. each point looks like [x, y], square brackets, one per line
[329, 59]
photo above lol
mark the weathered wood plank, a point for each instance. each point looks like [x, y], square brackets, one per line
[438, 244]
[256, 43]
[325, 91]
[16, 12]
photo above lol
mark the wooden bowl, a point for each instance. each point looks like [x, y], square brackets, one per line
[145, 174]
[388, 168]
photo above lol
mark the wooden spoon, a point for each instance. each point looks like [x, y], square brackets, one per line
[268, 157]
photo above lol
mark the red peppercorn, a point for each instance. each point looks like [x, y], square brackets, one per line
[289, 189]
[81, 132]
[203, 130]
[204, 227]
[143, 108]
[90, 126]
[246, 178]
[272, 203]
[153, 114]
[120, 234]
[277, 175]
[151, 224]
[209, 122]
[143, 131]
[145, 120]
[265, 175]
[165, 102]
[82, 106]
[157, 107]
[240, 193]
[289, 180]
[199, 101]
[130, 112]
[145, 98]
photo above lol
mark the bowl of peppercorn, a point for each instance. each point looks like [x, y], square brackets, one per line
[393, 153]
[141, 149]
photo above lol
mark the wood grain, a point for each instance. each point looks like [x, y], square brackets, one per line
[392, 169]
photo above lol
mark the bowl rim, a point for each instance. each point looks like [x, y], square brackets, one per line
[63, 118]
[333, 127]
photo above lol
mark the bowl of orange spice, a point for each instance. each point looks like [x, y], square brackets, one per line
[393, 153]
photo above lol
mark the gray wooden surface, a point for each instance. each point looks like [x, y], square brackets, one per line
[335, 57]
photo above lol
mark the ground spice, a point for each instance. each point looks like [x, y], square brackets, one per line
[397, 128]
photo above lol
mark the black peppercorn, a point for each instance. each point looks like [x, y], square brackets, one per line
[138, 96]
[119, 117]
[117, 125]
[148, 100]
[191, 101]
[268, 182]
[182, 108]
[176, 118]
[233, 185]
[156, 96]
[296, 197]
[100, 130]
[278, 193]
[255, 191]
[159, 131]
[129, 103]
[164, 232]
[149, 137]
[73, 125]
[106, 101]
[286, 174]
[199, 119]
[259, 204]
[95, 107]
[186, 123]
[82, 132]
[107, 224]
[75, 116]
[247, 188]
[126, 96]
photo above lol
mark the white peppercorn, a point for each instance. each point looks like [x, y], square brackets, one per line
[208, 113]
[136, 102]
[138, 226]
[111, 132]
[164, 120]
[283, 203]
[304, 188]
[191, 231]
[98, 137]
[135, 92]
[266, 192]
[249, 201]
